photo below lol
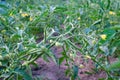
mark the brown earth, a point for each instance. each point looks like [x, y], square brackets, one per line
[51, 71]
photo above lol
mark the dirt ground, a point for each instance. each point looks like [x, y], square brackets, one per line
[50, 71]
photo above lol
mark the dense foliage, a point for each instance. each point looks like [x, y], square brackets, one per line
[30, 28]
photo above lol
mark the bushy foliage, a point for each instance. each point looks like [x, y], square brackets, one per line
[30, 28]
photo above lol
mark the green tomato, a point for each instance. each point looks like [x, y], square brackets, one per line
[58, 44]
[51, 41]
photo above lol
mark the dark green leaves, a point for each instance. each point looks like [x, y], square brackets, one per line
[75, 72]
[24, 74]
[116, 27]
[60, 9]
[3, 8]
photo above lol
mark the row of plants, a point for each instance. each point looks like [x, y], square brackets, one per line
[29, 29]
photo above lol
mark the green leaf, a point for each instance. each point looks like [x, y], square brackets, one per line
[104, 49]
[53, 56]
[20, 46]
[25, 75]
[101, 79]
[60, 9]
[110, 34]
[113, 66]
[89, 73]
[116, 43]
[5, 75]
[3, 8]
[67, 72]
[87, 30]
[112, 50]
[116, 27]
[97, 22]
[34, 64]
[61, 59]
[75, 71]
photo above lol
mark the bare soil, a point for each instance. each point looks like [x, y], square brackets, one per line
[51, 71]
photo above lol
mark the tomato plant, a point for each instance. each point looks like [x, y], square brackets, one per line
[29, 29]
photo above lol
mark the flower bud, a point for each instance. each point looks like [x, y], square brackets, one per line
[81, 66]
[58, 44]
[103, 37]
[87, 57]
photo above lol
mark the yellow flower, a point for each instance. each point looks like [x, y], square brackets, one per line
[103, 36]
[24, 14]
[112, 13]
[87, 57]
[81, 66]
[79, 18]
[30, 18]
[11, 14]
